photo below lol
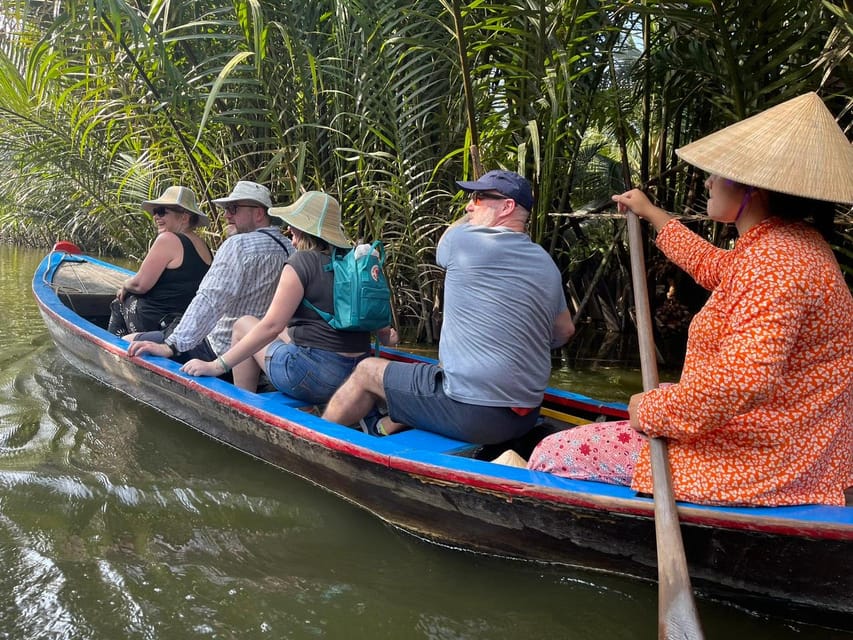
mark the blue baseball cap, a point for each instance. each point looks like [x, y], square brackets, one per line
[506, 183]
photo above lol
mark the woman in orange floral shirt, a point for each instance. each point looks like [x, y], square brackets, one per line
[763, 412]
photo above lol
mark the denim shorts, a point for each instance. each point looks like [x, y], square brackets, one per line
[415, 397]
[307, 373]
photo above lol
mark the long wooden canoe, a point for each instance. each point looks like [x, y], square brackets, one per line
[791, 561]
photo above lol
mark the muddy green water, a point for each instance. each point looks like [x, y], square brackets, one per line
[116, 522]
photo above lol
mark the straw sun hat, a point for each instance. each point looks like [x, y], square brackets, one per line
[795, 147]
[177, 197]
[318, 214]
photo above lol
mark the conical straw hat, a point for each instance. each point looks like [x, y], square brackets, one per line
[795, 147]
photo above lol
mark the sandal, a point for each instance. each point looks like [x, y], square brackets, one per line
[371, 424]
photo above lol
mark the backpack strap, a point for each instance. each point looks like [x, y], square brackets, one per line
[328, 317]
[379, 248]
[333, 255]
[279, 242]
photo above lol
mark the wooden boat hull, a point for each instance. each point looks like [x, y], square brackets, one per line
[794, 561]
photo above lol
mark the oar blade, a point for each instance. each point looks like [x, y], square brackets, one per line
[677, 614]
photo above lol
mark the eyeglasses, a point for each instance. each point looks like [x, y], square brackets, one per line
[162, 211]
[477, 196]
[231, 209]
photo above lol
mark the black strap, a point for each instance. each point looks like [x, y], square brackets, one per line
[271, 235]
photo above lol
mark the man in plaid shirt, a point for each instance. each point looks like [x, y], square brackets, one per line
[241, 281]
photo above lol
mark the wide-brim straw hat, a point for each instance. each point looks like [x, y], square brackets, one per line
[246, 191]
[180, 197]
[795, 147]
[318, 214]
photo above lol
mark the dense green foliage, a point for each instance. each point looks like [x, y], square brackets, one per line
[104, 103]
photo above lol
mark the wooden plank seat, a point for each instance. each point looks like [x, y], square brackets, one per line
[87, 289]
[429, 441]
[283, 397]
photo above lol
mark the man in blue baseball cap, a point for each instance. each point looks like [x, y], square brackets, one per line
[504, 310]
[502, 183]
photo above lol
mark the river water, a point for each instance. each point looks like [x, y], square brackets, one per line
[117, 522]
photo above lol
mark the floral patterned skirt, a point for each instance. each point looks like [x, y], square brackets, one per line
[602, 451]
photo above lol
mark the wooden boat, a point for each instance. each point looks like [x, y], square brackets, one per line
[797, 561]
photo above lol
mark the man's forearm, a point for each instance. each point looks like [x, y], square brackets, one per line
[197, 322]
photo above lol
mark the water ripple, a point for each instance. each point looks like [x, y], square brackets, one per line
[38, 588]
[127, 607]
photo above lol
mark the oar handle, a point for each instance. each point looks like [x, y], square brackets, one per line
[677, 615]
[645, 337]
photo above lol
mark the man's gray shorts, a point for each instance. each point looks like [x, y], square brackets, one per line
[415, 397]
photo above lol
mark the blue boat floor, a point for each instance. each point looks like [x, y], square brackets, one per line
[409, 439]
[429, 441]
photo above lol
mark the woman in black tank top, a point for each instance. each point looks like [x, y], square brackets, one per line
[170, 274]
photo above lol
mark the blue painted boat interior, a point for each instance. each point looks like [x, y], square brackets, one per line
[414, 445]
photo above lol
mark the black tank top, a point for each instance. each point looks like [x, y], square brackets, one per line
[175, 288]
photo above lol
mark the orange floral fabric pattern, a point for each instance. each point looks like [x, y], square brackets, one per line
[763, 412]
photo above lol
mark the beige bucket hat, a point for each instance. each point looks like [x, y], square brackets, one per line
[180, 197]
[318, 214]
[246, 191]
[795, 147]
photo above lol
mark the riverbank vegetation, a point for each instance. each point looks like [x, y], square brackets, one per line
[105, 103]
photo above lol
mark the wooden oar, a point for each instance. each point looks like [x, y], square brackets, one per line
[677, 615]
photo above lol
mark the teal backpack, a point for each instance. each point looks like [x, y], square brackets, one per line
[361, 294]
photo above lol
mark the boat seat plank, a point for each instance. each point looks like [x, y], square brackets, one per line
[428, 441]
[283, 398]
[76, 277]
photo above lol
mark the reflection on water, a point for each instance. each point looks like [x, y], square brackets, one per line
[116, 522]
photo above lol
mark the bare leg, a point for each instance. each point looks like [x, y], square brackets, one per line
[246, 373]
[357, 396]
[259, 359]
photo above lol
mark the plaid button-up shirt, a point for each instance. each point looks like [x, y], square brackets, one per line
[241, 281]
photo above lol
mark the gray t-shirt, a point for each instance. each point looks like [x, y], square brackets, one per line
[502, 294]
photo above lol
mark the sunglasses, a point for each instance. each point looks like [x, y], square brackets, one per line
[162, 211]
[231, 209]
[477, 196]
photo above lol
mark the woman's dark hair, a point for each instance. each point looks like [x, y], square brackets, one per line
[194, 219]
[820, 213]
